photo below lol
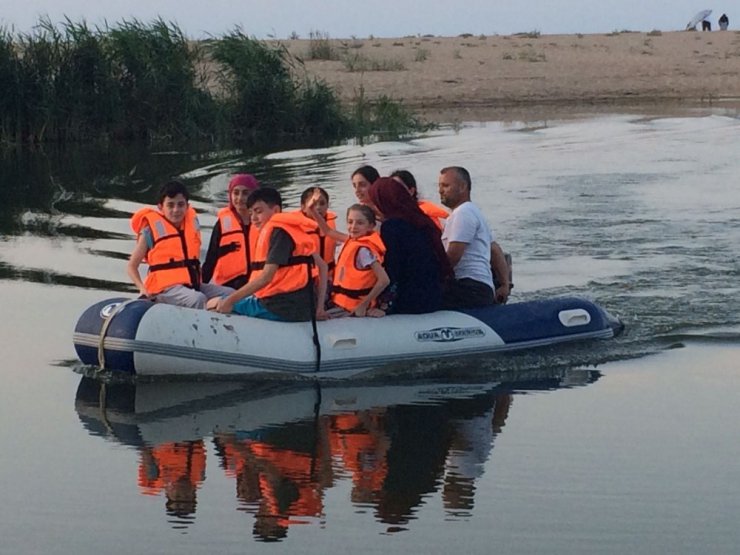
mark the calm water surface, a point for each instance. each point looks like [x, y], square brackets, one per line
[624, 445]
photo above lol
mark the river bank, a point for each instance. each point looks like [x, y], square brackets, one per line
[486, 77]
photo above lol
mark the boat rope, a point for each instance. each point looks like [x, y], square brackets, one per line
[103, 405]
[316, 428]
[104, 331]
[314, 326]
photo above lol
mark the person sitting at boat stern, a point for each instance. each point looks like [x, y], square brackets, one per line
[168, 240]
[281, 286]
[360, 276]
[233, 238]
[471, 247]
[415, 259]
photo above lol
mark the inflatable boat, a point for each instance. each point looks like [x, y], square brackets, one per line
[143, 338]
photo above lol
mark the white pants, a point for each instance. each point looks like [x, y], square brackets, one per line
[185, 296]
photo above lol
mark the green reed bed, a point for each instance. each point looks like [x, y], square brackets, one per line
[147, 82]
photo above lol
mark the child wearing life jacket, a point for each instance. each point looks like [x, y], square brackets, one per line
[315, 200]
[281, 286]
[359, 276]
[168, 240]
[234, 238]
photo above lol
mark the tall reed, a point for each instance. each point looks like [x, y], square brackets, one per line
[268, 98]
[147, 82]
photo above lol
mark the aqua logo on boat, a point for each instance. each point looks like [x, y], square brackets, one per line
[108, 309]
[444, 335]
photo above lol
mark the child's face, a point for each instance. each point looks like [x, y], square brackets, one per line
[361, 186]
[261, 213]
[357, 224]
[174, 208]
[238, 197]
[321, 205]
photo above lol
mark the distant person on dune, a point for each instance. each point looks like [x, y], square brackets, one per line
[724, 22]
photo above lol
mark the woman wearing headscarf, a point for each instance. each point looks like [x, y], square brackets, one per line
[233, 238]
[415, 258]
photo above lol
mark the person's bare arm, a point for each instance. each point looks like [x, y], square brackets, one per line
[455, 251]
[321, 293]
[380, 284]
[501, 270]
[225, 305]
[136, 258]
[324, 227]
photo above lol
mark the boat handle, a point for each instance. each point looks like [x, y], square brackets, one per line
[343, 342]
[574, 317]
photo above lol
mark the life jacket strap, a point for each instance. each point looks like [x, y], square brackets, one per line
[351, 293]
[292, 261]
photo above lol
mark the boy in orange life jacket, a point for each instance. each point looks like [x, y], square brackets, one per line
[280, 287]
[359, 276]
[233, 239]
[168, 240]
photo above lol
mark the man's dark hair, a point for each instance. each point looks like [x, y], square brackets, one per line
[271, 197]
[171, 189]
[461, 173]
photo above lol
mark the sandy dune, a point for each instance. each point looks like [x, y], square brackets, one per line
[473, 75]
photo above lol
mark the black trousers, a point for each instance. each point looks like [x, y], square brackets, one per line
[468, 293]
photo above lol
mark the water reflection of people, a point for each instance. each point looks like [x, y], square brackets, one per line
[280, 479]
[469, 450]
[422, 438]
[177, 469]
[396, 455]
[360, 442]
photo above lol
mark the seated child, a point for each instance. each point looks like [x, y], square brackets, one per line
[359, 276]
[168, 240]
[316, 200]
[233, 239]
[280, 287]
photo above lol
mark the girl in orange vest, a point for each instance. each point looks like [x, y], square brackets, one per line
[326, 242]
[233, 239]
[359, 277]
[437, 214]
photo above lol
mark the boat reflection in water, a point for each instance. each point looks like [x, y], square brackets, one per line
[286, 445]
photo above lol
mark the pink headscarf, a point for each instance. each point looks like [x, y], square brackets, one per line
[244, 180]
[392, 200]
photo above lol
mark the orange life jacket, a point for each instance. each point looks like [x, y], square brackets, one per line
[325, 246]
[236, 248]
[434, 211]
[170, 462]
[352, 284]
[174, 258]
[363, 451]
[270, 465]
[293, 276]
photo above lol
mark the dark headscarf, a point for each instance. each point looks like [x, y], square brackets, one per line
[392, 200]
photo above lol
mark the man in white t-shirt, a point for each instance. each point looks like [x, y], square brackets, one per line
[471, 246]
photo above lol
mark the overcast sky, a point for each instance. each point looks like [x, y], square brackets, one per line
[380, 18]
